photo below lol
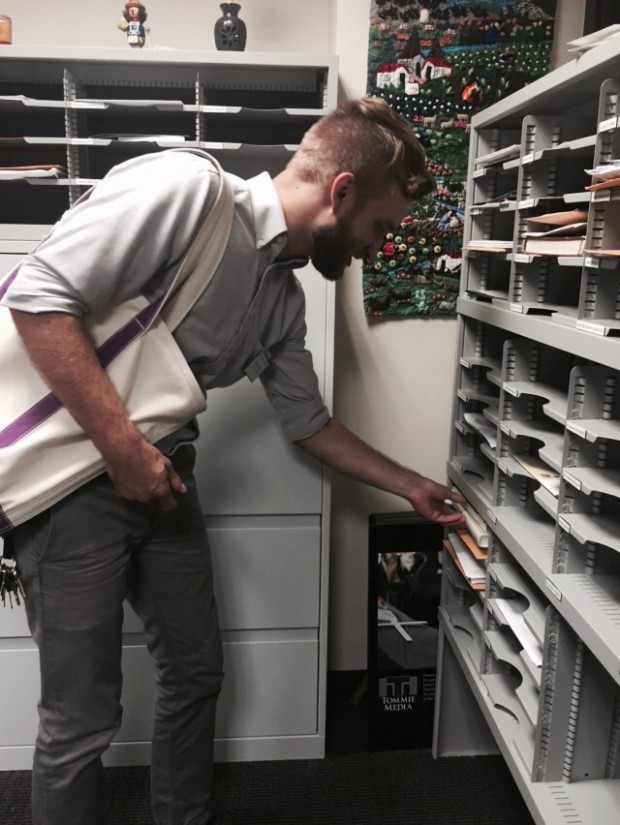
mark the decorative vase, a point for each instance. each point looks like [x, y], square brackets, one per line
[230, 32]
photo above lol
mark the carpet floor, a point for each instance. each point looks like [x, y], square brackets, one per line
[351, 786]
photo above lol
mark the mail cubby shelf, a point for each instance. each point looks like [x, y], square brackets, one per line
[608, 143]
[491, 224]
[581, 339]
[494, 184]
[546, 286]
[472, 475]
[588, 802]
[542, 329]
[85, 111]
[516, 613]
[533, 369]
[481, 347]
[594, 405]
[578, 740]
[544, 173]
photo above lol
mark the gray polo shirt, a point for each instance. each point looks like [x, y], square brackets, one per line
[130, 236]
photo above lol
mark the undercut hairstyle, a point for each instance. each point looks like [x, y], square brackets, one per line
[368, 138]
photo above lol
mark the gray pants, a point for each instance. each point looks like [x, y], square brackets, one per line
[78, 562]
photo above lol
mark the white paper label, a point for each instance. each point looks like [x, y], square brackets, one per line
[502, 467]
[511, 390]
[527, 204]
[564, 524]
[492, 517]
[520, 258]
[594, 263]
[602, 196]
[460, 427]
[505, 428]
[479, 173]
[91, 104]
[588, 326]
[553, 589]
[606, 125]
[527, 159]
[572, 480]
[462, 395]
[465, 363]
[516, 308]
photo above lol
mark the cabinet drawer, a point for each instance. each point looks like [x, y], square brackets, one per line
[13, 623]
[245, 465]
[19, 695]
[270, 689]
[266, 576]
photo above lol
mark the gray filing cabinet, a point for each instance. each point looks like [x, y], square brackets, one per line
[539, 360]
[266, 505]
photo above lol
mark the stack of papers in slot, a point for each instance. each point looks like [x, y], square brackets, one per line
[561, 240]
[548, 477]
[486, 245]
[139, 138]
[606, 171]
[475, 523]
[473, 569]
[479, 553]
[567, 218]
[509, 612]
[52, 170]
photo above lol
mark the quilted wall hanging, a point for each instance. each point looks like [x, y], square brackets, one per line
[438, 63]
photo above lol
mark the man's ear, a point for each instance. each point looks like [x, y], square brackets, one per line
[342, 193]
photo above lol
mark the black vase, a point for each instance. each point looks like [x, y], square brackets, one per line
[230, 32]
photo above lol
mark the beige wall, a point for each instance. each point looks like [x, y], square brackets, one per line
[393, 379]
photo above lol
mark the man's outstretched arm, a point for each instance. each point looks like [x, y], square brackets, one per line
[340, 449]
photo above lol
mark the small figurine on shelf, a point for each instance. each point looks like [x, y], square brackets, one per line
[132, 23]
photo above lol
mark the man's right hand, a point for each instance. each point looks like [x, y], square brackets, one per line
[146, 475]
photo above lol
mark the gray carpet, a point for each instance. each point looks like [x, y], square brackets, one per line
[400, 788]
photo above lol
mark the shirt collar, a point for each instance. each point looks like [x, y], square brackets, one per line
[269, 221]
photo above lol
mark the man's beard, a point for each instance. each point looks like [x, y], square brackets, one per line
[332, 249]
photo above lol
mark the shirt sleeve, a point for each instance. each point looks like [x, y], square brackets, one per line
[290, 380]
[137, 222]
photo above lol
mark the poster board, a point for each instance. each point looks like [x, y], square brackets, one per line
[403, 601]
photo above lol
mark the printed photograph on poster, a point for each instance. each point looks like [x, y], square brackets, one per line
[407, 603]
[438, 63]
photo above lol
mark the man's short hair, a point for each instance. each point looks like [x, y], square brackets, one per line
[367, 137]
